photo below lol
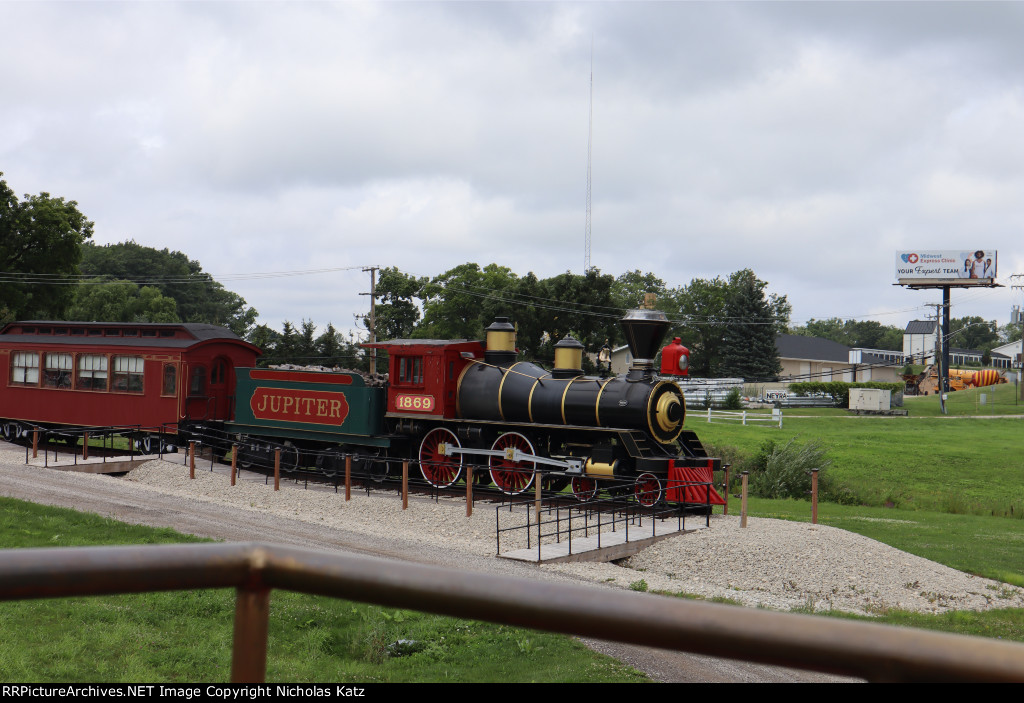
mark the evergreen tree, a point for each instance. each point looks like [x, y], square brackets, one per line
[751, 325]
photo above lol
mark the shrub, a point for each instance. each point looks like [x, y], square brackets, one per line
[786, 471]
[734, 400]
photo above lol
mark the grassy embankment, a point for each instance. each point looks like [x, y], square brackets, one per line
[180, 636]
[950, 489]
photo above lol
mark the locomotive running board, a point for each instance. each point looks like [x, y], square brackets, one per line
[572, 466]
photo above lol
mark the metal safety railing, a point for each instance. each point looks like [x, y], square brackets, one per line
[78, 441]
[874, 652]
[558, 519]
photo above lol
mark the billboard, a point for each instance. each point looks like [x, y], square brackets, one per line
[976, 267]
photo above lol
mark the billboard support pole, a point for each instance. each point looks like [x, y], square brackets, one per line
[945, 346]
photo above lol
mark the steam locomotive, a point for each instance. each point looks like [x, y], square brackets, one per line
[452, 403]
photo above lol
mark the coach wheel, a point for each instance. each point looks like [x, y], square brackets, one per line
[584, 489]
[647, 490]
[8, 431]
[509, 476]
[145, 443]
[438, 469]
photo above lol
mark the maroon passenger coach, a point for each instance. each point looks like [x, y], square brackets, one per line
[153, 375]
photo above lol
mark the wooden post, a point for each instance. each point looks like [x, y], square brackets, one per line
[814, 496]
[85, 445]
[537, 500]
[405, 484]
[252, 619]
[234, 462]
[743, 501]
[277, 469]
[725, 509]
[191, 459]
[469, 491]
[348, 477]
[35, 443]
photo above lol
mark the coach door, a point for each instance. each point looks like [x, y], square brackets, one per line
[221, 391]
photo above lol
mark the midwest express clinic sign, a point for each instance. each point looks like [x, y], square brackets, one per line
[947, 267]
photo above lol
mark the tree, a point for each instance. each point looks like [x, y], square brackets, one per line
[462, 301]
[701, 308]
[198, 297]
[629, 289]
[397, 313]
[866, 334]
[751, 325]
[41, 238]
[973, 333]
[121, 301]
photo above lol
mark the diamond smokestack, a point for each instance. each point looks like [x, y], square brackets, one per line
[645, 329]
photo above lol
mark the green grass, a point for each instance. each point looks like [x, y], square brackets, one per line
[187, 636]
[965, 466]
[1002, 399]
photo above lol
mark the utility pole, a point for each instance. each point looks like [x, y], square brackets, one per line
[1020, 357]
[373, 315]
[943, 373]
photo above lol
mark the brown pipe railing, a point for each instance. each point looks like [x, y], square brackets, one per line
[874, 652]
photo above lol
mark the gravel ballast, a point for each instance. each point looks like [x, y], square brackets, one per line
[776, 564]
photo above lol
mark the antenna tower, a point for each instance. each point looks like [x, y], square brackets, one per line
[590, 141]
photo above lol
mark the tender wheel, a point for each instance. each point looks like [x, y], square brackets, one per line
[331, 463]
[584, 489]
[512, 477]
[647, 490]
[371, 465]
[289, 457]
[439, 470]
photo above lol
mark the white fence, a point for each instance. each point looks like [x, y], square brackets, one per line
[744, 416]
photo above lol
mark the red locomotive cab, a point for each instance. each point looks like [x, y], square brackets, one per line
[675, 359]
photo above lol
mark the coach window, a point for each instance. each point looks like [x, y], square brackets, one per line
[197, 381]
[410, 370]
[128, 373]
[170, 380]
[92, 372]
[25, 368]
[57, 371]
[219, 373]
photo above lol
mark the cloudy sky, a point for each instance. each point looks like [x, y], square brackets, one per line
[807, 141]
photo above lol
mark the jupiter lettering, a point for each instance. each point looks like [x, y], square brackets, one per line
[318, 407]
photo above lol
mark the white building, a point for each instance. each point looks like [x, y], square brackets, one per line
[919, 340]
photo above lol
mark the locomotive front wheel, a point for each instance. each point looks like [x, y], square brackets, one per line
[584, 488]
[647, 490]
[439, 470]
[511, 477]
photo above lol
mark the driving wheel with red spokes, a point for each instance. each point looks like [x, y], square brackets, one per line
[438, 469]
[509, 476]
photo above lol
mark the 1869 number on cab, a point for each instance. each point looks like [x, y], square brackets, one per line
[416, 403]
